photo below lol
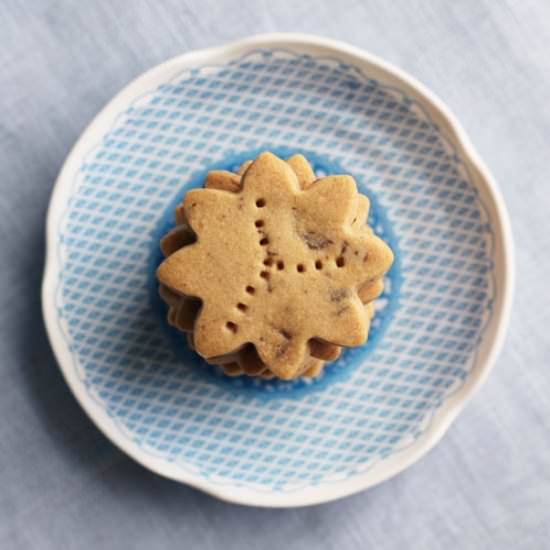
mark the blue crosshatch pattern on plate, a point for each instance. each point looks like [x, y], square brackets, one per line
[274, 100]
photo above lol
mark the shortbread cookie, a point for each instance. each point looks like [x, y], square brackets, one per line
[271, 271]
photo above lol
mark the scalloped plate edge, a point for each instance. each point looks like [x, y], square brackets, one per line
[480, 176]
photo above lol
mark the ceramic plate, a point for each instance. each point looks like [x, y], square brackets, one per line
[439, 323]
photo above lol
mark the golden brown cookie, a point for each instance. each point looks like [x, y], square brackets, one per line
[271, 270]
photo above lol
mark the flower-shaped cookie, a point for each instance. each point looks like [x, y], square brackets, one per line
[277, 267]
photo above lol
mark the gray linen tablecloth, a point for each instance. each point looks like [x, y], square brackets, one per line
[63, 485]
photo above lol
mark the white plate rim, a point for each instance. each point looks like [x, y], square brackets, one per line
[442, 417]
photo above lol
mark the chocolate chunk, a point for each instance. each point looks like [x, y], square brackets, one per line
[315, 241]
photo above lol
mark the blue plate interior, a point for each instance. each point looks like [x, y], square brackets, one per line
[375, 400]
